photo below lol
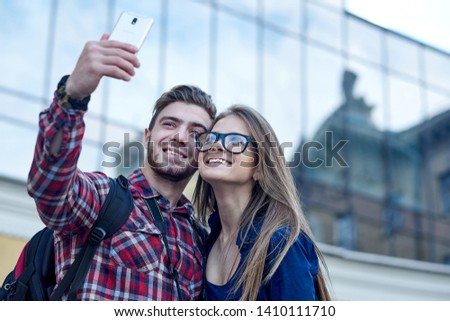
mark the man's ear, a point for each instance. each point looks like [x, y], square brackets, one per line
[147, 135]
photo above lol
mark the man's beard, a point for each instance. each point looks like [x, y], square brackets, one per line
[168, 172]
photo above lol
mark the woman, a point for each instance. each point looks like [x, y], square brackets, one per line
[260, 246]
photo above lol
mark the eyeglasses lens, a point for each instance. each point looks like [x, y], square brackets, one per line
[235, 143]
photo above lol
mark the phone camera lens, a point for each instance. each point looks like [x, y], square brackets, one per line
[133, 22]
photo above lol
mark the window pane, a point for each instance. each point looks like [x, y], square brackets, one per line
[437, 69]
[324, 74]
[405, 108]
[17, 108]
[122, 135]
[324, 26]
[404, 172]
[145, 8]
[94, 126]
[188, 40]
[25, 45]
[364, 41]
[403, 56]
[368, 87]
[236, 62]
[345, 232]
[437, 103]
[90, 159]
[444, 189]
[71, 36]
[332, 3]
[122, 151]
[282, 89]
[131, 102]
[247, 7]
[285, 14]
[17, 149]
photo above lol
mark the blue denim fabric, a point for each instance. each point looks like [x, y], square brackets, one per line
[294, 280]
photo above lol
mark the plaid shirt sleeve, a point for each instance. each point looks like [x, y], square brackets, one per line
[67, 199]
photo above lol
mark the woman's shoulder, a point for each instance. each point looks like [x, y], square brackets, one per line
[282, 234]
[303, 243]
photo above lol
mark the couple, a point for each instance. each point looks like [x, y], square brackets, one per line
[259, 246]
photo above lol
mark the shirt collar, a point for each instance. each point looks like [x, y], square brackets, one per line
[145, 190]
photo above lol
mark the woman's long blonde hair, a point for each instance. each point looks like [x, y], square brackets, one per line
[274, 195]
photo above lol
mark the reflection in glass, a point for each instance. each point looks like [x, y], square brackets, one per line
[17, 150]
[189, 35]
[236, 61]
[324, 26]
[20, 109]
[246, 7]
[285, 14]
[324, 74]
[364, 41]
[91, 157]
[444, 187]
[437, 66]
[281, 88]
[405, 104]
[403, 56]
[437, 103]
[24, 51]
[369, 86]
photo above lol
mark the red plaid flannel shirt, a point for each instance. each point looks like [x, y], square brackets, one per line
[133, 264]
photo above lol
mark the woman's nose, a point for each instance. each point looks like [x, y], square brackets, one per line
[217, 146]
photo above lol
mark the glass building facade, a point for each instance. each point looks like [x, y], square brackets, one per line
[309, 66]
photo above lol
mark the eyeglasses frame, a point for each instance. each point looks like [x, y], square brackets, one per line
[221, 136]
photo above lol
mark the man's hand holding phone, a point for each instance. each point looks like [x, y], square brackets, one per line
[113, 56]
[131, 28]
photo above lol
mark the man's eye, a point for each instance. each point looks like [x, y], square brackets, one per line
[195, 133]
[169, 124]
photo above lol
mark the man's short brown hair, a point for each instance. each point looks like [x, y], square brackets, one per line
[184, 93]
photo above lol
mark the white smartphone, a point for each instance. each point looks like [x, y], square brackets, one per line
[131, 28]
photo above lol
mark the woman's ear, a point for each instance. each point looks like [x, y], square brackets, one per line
[256, 175]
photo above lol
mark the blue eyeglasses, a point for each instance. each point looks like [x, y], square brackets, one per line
[234, 143]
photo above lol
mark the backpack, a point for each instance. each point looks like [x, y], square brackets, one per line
[33, 277]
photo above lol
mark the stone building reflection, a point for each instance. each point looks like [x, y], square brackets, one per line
[392, 194]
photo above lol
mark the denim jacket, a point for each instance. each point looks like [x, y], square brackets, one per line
[295, 278]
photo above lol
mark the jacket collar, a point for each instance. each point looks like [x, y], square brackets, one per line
[243, 241]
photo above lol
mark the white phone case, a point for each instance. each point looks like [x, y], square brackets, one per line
[131, 28]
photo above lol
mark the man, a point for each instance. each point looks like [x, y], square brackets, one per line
[133, 264]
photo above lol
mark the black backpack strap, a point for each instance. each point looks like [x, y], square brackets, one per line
[113, 214]
[201, 234]
[160, 223]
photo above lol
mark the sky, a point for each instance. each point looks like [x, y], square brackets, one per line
[423, 20]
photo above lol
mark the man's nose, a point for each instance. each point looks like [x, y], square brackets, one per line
[184, 136]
